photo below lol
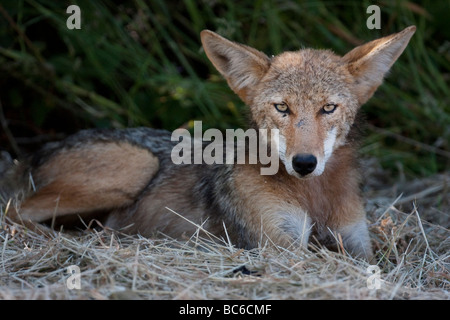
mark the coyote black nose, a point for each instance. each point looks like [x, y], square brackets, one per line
[304, 163]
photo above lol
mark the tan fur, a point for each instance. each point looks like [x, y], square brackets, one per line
[368, 63]
[265, 197]
[95, 177]
[174, 195]
[306, 81]
[128, 174]
[246, 67]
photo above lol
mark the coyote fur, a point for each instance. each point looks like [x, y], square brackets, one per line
[126, 179]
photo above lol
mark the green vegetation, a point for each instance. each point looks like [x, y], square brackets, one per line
[141, 64]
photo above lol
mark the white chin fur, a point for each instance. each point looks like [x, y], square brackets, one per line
[328, 147]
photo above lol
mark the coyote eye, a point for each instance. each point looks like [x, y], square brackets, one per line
[329, 108]
[281, 107]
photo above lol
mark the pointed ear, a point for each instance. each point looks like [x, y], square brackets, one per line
[370, 62]
[242, 66]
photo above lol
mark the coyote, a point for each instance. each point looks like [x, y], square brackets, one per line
[126, 180]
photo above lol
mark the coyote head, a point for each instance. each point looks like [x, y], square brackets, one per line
[310, 96]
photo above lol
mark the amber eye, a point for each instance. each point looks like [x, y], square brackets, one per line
[281, 107]
[329, 108]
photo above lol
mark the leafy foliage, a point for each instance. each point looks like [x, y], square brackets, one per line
[141, 63]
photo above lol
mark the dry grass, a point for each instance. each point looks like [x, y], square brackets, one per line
[410, 235]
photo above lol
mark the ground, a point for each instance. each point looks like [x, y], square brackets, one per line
[409, 226]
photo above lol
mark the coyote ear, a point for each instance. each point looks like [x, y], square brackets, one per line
[370, 62]
[242, 66]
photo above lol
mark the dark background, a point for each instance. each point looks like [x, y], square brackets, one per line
[140, 63]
